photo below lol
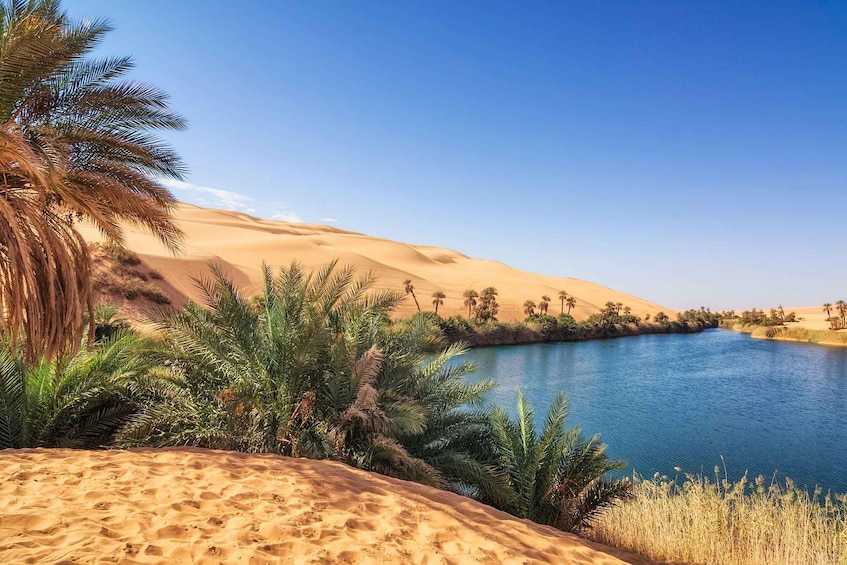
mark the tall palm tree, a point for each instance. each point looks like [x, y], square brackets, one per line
[470, 296]
[618, 307]
[557, 477]
[563, 295]
[544, 304]
[828, 309]
[410, 289]
[842, 310]
[488, 306]
[571, 304]
[75, 142]
[529, 307]
[438, 299]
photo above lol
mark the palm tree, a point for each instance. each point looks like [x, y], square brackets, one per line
[781, 312]
[571, 304]
[618, 307]
[82, 405]
[410, 289]
[562, 297]
[557, 477]
[627, 311]
[438, 299]
[470, 296]
[529, 307]
[314, 368]
[487, 308]
[828, 309]
[842, 310]
[75, 143]
[542, 306]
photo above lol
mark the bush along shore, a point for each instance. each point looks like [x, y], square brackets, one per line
[543, 328]
[788, 333]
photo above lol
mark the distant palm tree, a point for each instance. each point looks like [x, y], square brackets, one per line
[562, 297]
[842, 309]
[76, 143]
[557, 477]
[438, 299]
[529, 307]
[781, 312]
[410, 289]
[470, 296]
[544, 304]
[627, 311]
[571, 304]
[828, 309]
[618, 307]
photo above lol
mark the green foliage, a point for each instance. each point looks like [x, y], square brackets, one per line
[556, 477]
[314, 368]
[80, 402]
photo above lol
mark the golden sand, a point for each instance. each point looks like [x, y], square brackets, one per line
[201, 506]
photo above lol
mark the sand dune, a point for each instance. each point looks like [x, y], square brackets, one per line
[240, 243]
[198, 506]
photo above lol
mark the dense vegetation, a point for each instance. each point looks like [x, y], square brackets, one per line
[312, 367]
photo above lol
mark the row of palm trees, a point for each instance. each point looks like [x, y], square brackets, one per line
[483, 303]
[840, 321]
[311, 368]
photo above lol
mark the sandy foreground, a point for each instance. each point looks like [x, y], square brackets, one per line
[240, 243]
[201, 506]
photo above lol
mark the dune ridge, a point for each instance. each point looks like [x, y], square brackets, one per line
[240, 243]
[186, 505]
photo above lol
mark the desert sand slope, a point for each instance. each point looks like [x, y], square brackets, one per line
[240, 243]
[198, 506]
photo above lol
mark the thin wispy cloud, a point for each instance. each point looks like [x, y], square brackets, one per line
[329, 220]
[229, 200]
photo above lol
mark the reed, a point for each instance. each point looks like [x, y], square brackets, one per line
[699, 520]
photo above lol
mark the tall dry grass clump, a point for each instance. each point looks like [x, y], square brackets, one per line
[699, 520]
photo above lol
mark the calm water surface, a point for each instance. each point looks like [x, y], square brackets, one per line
[661, 401]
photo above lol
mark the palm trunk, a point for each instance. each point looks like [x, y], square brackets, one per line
[562, 311]
[569, 309]
[415, 298]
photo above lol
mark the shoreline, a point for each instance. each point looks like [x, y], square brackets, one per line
[793, 334]
[521, 334]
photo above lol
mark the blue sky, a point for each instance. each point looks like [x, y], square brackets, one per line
[689, 153]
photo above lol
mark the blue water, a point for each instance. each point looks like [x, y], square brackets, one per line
[662, 401]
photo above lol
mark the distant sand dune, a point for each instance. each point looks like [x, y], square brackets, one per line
[198, 506]
[241, 243]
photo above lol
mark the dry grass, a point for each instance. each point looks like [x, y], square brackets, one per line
[794, 333]
[707, 521]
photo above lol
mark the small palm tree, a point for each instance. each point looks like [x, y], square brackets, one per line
[828, 309]
[627, 311]
[470, 296]
[571, 304]
[544, 304]
[562, 297]
[557, 477]
[438, 299]
[410, 289]
[76, 143]
[529, 307]
[79, 403]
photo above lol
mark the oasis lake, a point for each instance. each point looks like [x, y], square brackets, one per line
[692, 401]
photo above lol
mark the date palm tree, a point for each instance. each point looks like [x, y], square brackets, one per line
[842, 310]
[544, 304]
[470, 296]
[75, 143]
[410, 289]
[438, 299]
[557, 477]
[828, 309]
[571, 303]
[529, 307]
[563, 295]
[81, 405]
